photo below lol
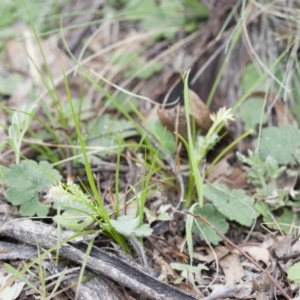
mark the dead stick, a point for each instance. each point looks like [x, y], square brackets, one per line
[271, 278]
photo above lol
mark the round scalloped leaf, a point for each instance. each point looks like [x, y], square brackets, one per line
[294, 273]
[281, 143]
[234, 204]
[25, 181]
[129, 226]
[251, 112]
[213, 216]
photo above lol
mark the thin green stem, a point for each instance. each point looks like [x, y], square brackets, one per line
[194, 163]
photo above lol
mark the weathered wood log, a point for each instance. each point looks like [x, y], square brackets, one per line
[99, 262]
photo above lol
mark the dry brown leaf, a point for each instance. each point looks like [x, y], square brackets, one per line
[188, 289]
[257, 252]
[174, 118]
[295, 247]
[282, 245]
[223, 172]
[261, 296]
[222, 168]
[200, 112]
[166, 272]
[284, 115]
[204, 254]
[26, 57]
[262, 282]
[244, 289]
[219, 291]
[17, 57]
[232, 268]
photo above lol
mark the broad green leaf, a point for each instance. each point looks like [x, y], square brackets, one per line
[8, 85]
[143, 230]
[10, 11]
[15, 11]
[262, 208]
[165, 137]
[149, 70]
[124, 58]
[25, 181]
[143, 71]
[236, 205]
[294, 273]
[126, 224]
[3, 169]
[249, 78]
[213, 216]
[82, 107]
[134, 64]
[6, 33]
[168, 16]
[284, 221]
[127, 102]
[6, 14]
[296, 95]
[105, 132]
[281, 143]
[250, 113]
[129, 226]
[295, 110]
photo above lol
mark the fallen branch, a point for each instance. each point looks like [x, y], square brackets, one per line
[99, 262]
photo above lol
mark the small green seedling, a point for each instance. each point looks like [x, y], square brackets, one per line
[20, 122]
[263, 172]
[78, 209]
